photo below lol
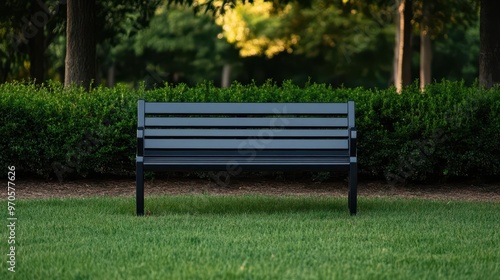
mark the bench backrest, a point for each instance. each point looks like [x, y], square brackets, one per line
[239, 129]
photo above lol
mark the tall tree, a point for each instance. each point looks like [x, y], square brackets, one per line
[36, 40]
[489, 57]
[402, 54]
[425, 46]
[80, 65]
[30, 30]
[435, 19]
[112, 19]
[31, 25]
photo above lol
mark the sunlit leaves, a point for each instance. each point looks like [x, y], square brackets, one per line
[255, 29]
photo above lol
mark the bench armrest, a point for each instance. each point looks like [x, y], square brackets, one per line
[140, 142]
[353, 136]
[140, 126]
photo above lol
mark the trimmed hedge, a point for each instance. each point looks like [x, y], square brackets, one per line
[450, 130]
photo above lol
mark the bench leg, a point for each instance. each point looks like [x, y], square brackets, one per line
[353, 187]
[139, 188]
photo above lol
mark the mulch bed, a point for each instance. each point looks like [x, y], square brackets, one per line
[35, 188]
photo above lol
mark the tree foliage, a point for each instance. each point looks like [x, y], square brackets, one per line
[22, 21]
[180, 45]
[347, 42]
[257, 29]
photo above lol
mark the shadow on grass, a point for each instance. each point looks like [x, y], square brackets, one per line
[252, 204]
[248, 204]
[261, 204]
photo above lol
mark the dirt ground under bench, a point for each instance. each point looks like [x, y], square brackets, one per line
[468, 191]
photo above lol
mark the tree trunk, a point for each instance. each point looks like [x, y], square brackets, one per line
[395, 62]
[5, 67]
[226, 75]
[425, 48]
[403, 68]
[111, 75]
[489, 54]
[37, 56]
[80, 43]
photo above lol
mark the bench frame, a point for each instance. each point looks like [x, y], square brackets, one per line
[167, 142]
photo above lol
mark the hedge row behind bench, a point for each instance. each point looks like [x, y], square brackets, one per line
[451, 130]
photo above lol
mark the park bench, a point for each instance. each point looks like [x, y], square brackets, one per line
[234, 137]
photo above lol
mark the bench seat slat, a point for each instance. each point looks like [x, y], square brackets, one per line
[246, 122]
[225, 163]
[174, 108]
[263, 133]
[243, 144]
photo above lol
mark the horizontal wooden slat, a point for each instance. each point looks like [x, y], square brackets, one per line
[244, 160]
[252, 144]
[258, 133]
[173, 108]
[245, 153]
[237, 164]
[247, 122]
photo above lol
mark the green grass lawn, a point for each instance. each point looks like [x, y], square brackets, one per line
[254, 237]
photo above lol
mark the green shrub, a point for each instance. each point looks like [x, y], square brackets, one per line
[450, 130]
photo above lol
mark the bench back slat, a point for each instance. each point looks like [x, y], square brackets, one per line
[242, 144]
[173, 108]
[244, 133]
[247, 122]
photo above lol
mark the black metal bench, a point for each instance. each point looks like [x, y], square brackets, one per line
[246, 136]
